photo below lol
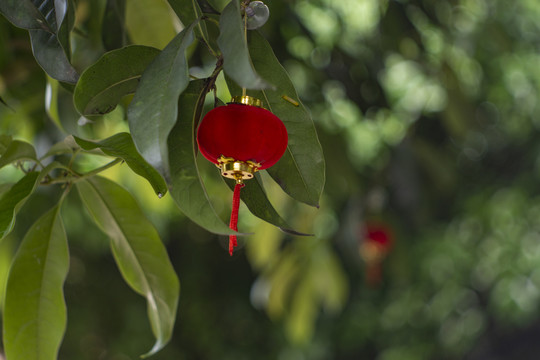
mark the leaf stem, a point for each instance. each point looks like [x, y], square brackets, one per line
[20, 165]
[203, 38]
[211, 20]
[74, 177]
[75, 153]
[100, 169]
[64, 194]
[211, 80]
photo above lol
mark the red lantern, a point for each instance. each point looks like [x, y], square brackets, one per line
[377, 241]
[241, 138]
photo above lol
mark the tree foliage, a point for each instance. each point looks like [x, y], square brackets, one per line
[163, 106]
[428, 115]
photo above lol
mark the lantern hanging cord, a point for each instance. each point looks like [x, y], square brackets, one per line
[245, 39]
[234, 216]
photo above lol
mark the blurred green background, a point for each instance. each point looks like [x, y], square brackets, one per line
[428, 115]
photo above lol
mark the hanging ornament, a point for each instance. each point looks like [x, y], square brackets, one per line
[377, 241]
[257, 15]
[241, 138]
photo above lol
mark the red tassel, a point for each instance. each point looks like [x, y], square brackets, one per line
[234, 217]
[374, 274]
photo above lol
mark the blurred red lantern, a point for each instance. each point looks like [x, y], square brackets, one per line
[377, 241]
[241, 138]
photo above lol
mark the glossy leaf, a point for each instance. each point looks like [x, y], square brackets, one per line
[51, 102]
[189, 11]
[51, 57]
[301, 170]
[65, 18]
[138, 251]
[154, 108]
[51, 46]
[16, 150]
[115, 75]
[121, 146]
[113, 27]
[66, 146]
[24, 14]
[206, 7]
[255, 198]
[34, 310]
[49, 26]
[232, 42]
[60, 108]
[12, 201]
[186, 187]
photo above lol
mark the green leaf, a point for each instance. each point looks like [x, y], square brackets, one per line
[7, 249]
[216, 5]
[55, 17]
[332, 281]
[66, 146]
[301, 170]
[4, 188]
[232, 42]
[24, 14]
[5, 140]
[13, 200]
[255, 198]
[60, 108]
[189, 11]
[3, 102]
[113, 27]
[35, 311]
[51, 56]
[150, 22]
[206, 7]
[186, 186]
[283, 276]
[114, 75]
[138, 251]
[154, 108]
[50, 40]
[65, 18]
[16, 150]
[121, 146]
[300, 323]
[51, 101]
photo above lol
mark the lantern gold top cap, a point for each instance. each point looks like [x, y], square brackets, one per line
[247, 100]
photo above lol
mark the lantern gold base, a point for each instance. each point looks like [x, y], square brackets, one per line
[247, 100]
[237, 170]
